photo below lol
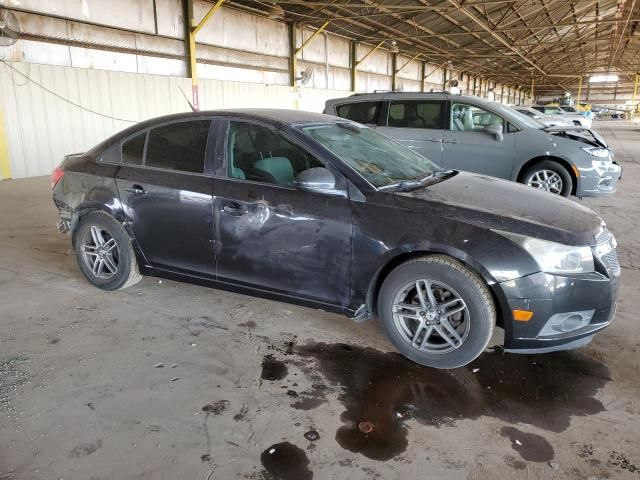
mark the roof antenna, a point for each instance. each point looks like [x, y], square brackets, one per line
[186, 98]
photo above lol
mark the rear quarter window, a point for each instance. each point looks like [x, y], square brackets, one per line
[361, 112]
[133, 149]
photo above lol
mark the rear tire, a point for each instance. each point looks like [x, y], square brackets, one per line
[104, 252]
[421, 325]
[549, 176]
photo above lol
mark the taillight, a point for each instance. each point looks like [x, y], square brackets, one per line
[56, 176]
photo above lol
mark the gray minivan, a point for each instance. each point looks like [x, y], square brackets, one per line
[468, 133]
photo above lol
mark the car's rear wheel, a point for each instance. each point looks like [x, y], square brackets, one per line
[549, 176]
[104, 252]
[436, 311]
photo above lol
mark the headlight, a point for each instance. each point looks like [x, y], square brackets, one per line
[597, 151]
[555, 257]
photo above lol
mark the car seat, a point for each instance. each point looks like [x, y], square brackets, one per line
[277, 168]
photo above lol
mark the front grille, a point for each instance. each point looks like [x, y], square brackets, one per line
[603, 236]
[611, 262]
[605, 251]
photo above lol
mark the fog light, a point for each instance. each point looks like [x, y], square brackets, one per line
[566, 322]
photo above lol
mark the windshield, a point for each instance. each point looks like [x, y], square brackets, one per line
[377, 158]
[525, 120]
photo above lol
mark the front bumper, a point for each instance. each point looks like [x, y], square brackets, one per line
[600, 179]
[547, 295]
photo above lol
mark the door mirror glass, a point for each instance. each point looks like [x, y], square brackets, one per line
[495, 130]
[318, 180]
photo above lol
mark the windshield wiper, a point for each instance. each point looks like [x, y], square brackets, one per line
[413, 184]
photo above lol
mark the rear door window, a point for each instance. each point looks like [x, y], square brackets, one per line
[362, 112]
[178, 146]
[133, 149]
[416, 114]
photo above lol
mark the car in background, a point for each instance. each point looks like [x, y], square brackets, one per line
[469, 133]
[574, 118]
[316, 210]
[546, 120]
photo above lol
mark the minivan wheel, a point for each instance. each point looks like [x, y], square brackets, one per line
[436, 311]
[549, 176]
[104, 252]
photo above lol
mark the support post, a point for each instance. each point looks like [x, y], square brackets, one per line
[193, 30]
[394, 69]
[354, 65]
[579, 92]
[293, 62]
[634, 107]
[423, 68]
[444, 79]
[532, 90]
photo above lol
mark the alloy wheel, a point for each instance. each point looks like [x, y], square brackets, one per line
[431, 316]
[100, 252]
[546, 180]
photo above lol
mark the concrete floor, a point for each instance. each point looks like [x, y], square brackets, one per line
[174, 381]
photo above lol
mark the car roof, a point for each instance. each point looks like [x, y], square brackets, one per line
[269, 115]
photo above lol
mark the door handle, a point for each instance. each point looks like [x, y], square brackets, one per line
[135, 189]
[234, 208]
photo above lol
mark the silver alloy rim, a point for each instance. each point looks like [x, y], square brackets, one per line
[546, 180]
[431, 316]
[100, 252]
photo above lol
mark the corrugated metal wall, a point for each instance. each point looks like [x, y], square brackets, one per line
[41, 127]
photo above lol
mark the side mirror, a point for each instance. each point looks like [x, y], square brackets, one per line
[317, 180]
[495, 130]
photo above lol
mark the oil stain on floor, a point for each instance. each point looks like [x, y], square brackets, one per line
[285, 461]
[381, 391]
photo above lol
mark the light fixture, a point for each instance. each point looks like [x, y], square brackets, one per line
[275, 12]
[603, 78]
[394, 47]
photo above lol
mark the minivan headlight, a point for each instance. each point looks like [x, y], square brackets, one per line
[597, 151]
[555, 257]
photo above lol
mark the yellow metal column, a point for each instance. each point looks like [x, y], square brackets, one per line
[532, 87]
[195, 28]
[5, 163]
[579, 92]
[634, 107]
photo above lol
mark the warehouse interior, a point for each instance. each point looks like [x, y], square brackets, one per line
[177, 380]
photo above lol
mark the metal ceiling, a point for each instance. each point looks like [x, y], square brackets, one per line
[513, 41]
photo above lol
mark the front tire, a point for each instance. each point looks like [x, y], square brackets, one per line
[104, 252]
[549, 176]
[436, 311]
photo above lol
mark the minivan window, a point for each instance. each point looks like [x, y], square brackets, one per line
[133, 149]
[380, 160]
[416, 114]
[361, 112]
[178, 146]
[469, 118]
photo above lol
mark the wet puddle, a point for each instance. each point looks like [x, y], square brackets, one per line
[381, 391]
[285, 461]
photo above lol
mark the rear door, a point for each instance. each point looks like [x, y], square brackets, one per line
[468, 146]
[168, 196]
[417, 124]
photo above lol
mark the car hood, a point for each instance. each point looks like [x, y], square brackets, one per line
[507, 206]
[581, 134]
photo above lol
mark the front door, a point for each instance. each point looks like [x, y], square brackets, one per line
[467, 145]
[417, 124]
[268, 234]
[167, 199]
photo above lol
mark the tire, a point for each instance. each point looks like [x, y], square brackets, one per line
[448, 278]
[101, 238]
[534, 177]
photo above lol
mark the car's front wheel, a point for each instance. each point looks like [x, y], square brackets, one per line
[104, 252]
[436, 311]
[549, 176]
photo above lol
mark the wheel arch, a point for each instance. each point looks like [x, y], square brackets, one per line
[404, 255]
[553, 158]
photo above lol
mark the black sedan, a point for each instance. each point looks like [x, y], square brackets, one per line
[324, 212]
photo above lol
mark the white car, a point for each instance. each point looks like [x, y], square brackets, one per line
[574, 118]
[546, 120]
